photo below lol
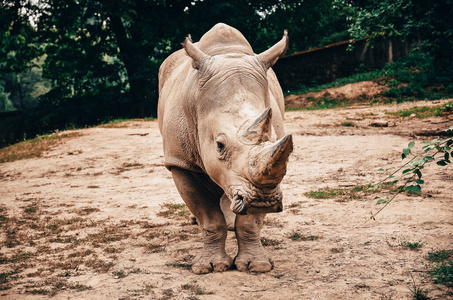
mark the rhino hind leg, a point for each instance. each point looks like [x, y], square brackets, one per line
[251, 254]
[202, 197]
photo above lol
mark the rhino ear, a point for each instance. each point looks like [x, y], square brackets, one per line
[194, 52]
[271, 55]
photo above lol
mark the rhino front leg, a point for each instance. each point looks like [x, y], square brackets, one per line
[251, 254]
[230, 216]
[202, 197]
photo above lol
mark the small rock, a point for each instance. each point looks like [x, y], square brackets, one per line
[379, 123]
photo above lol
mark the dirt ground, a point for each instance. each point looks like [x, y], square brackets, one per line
[98, 217]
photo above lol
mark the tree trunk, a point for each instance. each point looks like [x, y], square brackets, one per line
[133, 61]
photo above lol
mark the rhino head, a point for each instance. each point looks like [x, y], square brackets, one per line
[237, 136]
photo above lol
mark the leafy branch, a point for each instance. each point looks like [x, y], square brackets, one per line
[437, 150]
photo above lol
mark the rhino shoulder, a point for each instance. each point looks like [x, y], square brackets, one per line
[169, 65]
[223, 39]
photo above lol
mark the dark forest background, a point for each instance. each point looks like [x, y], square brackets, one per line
[69, 64]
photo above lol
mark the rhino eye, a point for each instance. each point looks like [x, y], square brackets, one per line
[221, 148]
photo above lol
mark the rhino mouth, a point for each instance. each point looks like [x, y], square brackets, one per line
[255, 200]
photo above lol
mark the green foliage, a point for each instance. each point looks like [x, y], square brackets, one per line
[443, 273]
[439, 256]
[438, 151]
[405, 19]
[442, 269]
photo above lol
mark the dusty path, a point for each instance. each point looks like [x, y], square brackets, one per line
[97, 218]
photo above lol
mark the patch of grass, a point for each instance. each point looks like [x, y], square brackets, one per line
[412, 245]
[34, 147]
[325, 193]
[346, 194]
[118, 123]
[348, 124]
[443, 273]
[107, 235]
[418, 292]
[119, 274]
[442, 269]
[440, 255]
[296, 236]
[269, 242]
[54, 285]
[81, 242]
[196, 289]
[423, 112]
[174, 211]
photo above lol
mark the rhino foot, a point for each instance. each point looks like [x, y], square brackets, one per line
[250, 263]
[212, 263]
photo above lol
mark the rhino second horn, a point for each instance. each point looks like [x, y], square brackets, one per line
[257, 129]
[194, 52]
[271, 55]
[269, 164]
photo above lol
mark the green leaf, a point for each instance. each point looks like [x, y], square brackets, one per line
[428, 147]
[441, 163]
[407, 171]
[419, 174]
[406, 152]
[428, 158]
[413, 189]
[411, 144]
[381, 201]
[419, 181]
[381, 170]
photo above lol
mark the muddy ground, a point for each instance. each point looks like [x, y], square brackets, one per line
[98, 217]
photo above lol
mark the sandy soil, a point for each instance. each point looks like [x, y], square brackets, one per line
[96, 217]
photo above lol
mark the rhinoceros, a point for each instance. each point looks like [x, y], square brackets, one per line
[220, 114]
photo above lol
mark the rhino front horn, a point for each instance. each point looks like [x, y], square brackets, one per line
[268, 166]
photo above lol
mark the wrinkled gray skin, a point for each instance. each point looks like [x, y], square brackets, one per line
[221, 118]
